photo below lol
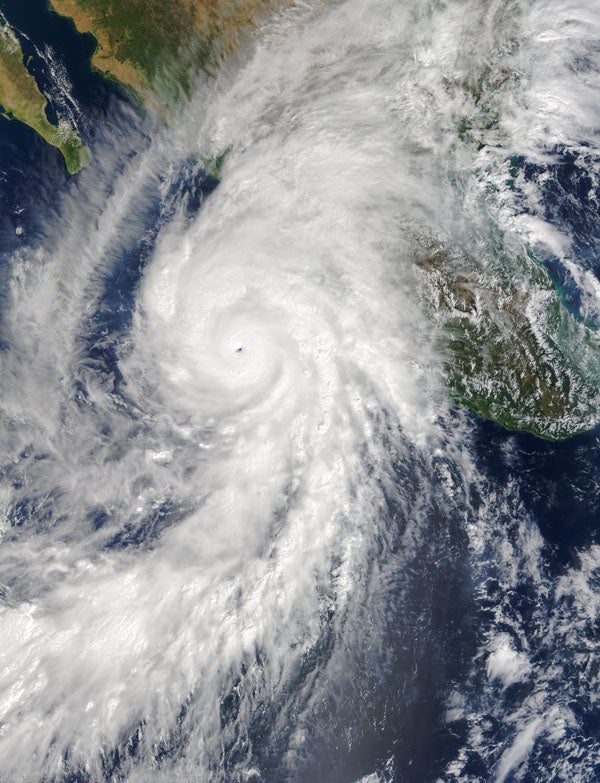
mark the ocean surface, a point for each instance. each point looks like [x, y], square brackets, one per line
[245, 537]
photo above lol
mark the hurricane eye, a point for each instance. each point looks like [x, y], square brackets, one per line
[238, 348]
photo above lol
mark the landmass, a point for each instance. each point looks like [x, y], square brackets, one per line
[152, 47]
[21, 99]
[514, 353]
[156, 48]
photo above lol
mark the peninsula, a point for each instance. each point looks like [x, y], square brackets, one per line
[21, 99]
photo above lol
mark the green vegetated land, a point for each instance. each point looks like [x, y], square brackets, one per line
[21, 99]
[156, 47]
[153, 47]
[515, 354]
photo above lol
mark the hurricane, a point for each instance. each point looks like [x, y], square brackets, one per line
[249, 530]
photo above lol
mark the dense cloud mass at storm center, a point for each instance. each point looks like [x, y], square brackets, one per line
[243, 521]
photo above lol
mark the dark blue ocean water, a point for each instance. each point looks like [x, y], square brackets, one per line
[433, 627]
[32, 173]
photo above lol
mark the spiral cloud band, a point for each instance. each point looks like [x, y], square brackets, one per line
[225, 496]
